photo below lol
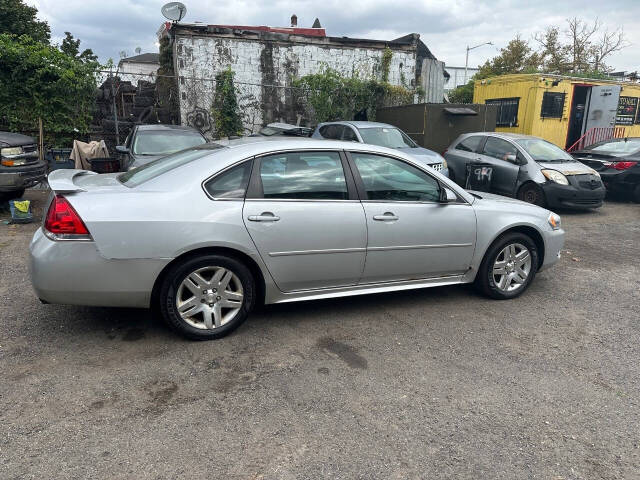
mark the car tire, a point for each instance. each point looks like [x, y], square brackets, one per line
[198, 300]
[636, 194]
[532, 193]
[504, 260]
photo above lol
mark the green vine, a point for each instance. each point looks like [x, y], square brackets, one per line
[385, 63]
[225, 110]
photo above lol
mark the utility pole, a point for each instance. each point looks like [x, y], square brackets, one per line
[115, 107]
[466, 62]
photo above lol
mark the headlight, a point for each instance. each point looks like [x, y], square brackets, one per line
[554, 221]
[555, 176]
[593, 172]
[444, 163]
[10, 151]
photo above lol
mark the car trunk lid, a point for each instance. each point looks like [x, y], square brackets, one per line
[72, 181]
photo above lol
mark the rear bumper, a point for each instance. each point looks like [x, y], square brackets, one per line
[74, 273]
[568, 196]
[17, 178]
[621, 181]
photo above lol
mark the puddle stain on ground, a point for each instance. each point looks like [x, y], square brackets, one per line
[344, 352]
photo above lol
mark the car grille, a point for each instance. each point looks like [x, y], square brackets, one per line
[436, 166]
[589, 182]
[29, 148]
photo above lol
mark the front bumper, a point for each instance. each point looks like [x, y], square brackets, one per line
[573, 196]
[74, 273]
[17, 178]
[553, 243]
[621, 181]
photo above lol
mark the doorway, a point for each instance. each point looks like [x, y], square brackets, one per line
[577, 116]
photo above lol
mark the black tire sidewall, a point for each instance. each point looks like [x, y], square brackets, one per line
[485, 275]
[177, 274]
[532, 187]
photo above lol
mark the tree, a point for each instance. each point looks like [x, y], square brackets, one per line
[608, 43]
[554, 56]
[463, 93]
[20, 19]
[71, 46]
[37, 80]
[225, 110]
[516, 57]
[579, 33]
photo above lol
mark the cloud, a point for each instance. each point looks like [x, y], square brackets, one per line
[446, 26]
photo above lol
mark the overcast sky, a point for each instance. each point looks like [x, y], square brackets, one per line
[446, 26]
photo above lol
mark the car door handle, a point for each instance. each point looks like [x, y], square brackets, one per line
[387, 217]
[263, 217]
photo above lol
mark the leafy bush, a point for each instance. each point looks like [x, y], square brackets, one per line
[225, 111]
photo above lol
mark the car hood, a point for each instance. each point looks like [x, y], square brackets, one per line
[496, 198]
[567, 168]
[424, 155]
[15, 139]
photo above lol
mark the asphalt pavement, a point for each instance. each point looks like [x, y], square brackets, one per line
[437, 383]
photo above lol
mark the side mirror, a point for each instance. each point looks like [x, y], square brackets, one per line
[447, 195]
[122, 149]
[511, 157]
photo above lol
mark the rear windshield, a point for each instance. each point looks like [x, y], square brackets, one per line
[159, 142]
[154, 169]
[623, 147]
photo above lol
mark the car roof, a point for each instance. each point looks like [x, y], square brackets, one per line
[359, 124]
[163, 126]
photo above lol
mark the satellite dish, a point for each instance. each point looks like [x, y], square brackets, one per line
[174, 11]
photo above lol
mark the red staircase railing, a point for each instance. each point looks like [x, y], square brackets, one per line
[596, 134]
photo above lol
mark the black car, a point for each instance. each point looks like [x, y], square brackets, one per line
[146, 143]
[20, 165]
[618, 162]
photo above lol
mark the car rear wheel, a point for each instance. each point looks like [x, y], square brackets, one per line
[207, 297]
[531, 193]
[509, 266]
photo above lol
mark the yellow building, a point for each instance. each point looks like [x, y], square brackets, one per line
[561, 109]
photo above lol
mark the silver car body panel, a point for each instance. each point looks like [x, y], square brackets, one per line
[137, 232]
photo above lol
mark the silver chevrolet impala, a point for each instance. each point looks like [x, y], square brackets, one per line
[205, 234]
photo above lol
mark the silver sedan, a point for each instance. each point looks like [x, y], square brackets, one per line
[207, 233]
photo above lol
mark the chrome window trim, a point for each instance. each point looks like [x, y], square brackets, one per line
[297, 200]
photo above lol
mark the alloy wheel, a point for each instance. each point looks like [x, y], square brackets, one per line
[209, 297]
[512, 267]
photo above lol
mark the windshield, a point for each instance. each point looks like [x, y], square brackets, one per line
[386, 137]
[164, 142]
[154, 169]
[617, 149]
[543, 151]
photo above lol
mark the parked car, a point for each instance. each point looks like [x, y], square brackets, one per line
[205, 234]
[20, 166]
[528, 168]
[383, 135]
[617, 161]
[278, 128]
[146, 143]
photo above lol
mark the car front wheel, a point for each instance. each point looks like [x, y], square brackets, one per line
[532, 193]
[207, 297]
[508, 267]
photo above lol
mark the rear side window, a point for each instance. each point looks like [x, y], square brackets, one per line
[154, 169]
[332, 132]
[303, 175]
[470, 144]
[230, 184]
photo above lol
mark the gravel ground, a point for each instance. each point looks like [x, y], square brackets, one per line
[439, 383]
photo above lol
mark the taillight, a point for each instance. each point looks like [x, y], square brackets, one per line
[621, 165]
[63, 222]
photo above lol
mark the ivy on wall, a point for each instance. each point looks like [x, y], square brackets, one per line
[225, 110]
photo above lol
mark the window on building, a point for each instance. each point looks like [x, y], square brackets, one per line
[507, 111]
[552, 104]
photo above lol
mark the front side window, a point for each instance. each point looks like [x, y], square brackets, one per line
[164, 142]
[389, 137]
[499, 148]
[389, 179]
[507, 115]
[543, 151]
[470, 144]
[230, 184]
[303, 176]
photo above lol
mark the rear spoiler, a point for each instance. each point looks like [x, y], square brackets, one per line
[61, 181]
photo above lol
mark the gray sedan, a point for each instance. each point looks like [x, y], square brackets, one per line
[205, 234]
